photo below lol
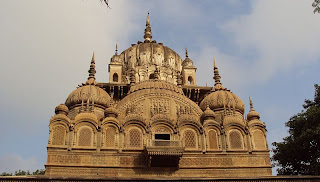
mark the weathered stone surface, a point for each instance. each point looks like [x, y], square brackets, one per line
[152, 120]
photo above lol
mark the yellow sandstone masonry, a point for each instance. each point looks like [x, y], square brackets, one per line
[153, 120]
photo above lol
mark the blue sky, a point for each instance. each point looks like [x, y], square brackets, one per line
[264, 49]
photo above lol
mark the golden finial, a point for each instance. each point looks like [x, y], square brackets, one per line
[186, 52]
[147, 32]
[92, 72]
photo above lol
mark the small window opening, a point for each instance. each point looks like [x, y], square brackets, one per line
[190, 80]
[115, 77]
[162, 136]
[151, 76]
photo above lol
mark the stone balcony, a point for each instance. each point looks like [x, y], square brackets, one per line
[161, 151]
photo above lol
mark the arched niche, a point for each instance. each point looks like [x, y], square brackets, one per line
[110, 136]
[58, 134]
[190, 137]
[258, 139]
[115, 77]
[213, 138]
[235, 139]
[85, 135]
[134, 137]
[162, 131]
[190, 80]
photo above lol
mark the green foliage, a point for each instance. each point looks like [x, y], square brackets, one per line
[299, 153]
[316, 5]
[24, 173]
[38, 172]
[6, 174]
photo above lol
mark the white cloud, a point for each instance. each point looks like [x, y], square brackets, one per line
[284, 34]
[45, 52]
[13, 162]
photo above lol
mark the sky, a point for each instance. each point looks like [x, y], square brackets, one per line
[267, 50]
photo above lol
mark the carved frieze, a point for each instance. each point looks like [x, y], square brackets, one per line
[159, 106]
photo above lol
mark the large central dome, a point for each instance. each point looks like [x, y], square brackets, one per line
[144, 58]
[148, 55]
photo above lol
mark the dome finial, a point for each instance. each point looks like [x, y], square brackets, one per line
[147, 32]
[251, 105]
[216, 77]
[116, 49]
[252, 113]
[92, 72]
[186, 52]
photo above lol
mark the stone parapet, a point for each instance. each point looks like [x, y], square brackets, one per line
[81, 179]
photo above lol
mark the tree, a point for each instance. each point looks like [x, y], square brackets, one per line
[6, 174]
[299, 153]
[24, 173]
[106, 2]
[316, 5]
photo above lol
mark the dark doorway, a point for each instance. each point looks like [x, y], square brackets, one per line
[162, 136]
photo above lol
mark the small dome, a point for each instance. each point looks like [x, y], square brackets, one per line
[187, 62]
[253, 114]
[115, 59]
[220, 99]
[208, 114]
[62, 109]
[232, 119]
[111, 112]
[88, 93]
[155, 84]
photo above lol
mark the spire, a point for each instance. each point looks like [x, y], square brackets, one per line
[216, 77]
[252, 113]
[251, 104]
[147, 32]
[116, 49]
[186, 52]
[92, 72]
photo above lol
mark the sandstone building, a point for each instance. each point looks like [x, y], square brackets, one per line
[152, 119]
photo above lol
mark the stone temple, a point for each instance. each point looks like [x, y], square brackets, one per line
[152, 119]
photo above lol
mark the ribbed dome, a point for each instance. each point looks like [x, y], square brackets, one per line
[252, 115]
[220, 99]
[111, 112]
[155, 84]
[62, 109]
[149, 53]
[187, 62]
[88, 93]
[208, 114]
[115, 59]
